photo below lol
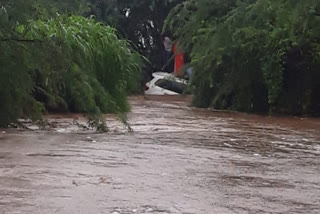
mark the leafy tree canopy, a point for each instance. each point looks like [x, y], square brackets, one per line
[252, 55]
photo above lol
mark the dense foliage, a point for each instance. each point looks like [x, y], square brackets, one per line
[140, 21]
[61, 63]
[248, 55]
[252, 55]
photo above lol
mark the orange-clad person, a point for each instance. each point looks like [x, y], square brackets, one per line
[179, 59]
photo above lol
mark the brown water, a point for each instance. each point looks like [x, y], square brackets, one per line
[178, 160]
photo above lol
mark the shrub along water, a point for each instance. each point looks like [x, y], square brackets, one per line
[65, 63]
[252, 55]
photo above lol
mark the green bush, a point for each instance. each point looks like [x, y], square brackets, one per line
[65, 63]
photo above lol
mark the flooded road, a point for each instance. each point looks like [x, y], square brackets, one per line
[179, 160]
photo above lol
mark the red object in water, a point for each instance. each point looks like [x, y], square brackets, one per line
[179, 59]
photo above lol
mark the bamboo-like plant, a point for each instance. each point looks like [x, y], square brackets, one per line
[68, 63]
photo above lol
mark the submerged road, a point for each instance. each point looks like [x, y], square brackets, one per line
[179, 160]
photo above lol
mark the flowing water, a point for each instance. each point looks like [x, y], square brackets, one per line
[178, 160]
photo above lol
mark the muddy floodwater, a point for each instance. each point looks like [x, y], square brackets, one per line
[178, 160]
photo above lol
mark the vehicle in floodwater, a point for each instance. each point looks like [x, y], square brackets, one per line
[165, 84]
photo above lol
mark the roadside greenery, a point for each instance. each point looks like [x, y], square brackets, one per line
[62, 63]
[252, 55]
